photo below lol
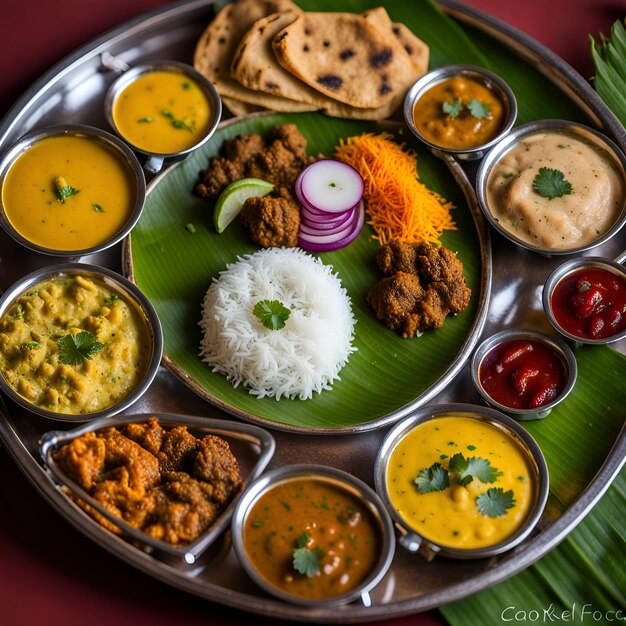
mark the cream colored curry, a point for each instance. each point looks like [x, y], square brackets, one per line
[162, 112]
[450, 517]
[576, 218]
[38, 353]
[69, 192]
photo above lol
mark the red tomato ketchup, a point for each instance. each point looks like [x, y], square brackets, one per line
[522, 374]
[590, 303]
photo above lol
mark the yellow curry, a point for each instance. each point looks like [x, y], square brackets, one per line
[311, 539]
[69, 192]
[459, 113]
[162, 112]
[73, 345]
[461, 482]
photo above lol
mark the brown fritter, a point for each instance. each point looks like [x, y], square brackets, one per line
[397, 256]
[248, 156]
[394, 298]
[217, 466]
[82, 460]
[177, 450]
[148, 435]
[440, 275]
[272, 221]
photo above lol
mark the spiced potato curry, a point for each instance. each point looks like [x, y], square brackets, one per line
[69, 192]
[74, 345]
[311, 538]
[461, 482]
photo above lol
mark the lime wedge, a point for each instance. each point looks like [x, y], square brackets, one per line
[232, 198]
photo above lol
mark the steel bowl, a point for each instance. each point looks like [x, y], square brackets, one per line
[409, 537]
[133, 296]
[338, 479]
[479, 74]
[120, 148]
[554, 343]
[563, 271]
[155, 161]
[567, 128]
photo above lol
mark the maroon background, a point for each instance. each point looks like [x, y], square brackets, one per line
[49, 572]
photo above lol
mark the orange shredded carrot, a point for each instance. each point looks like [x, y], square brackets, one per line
[398, 205]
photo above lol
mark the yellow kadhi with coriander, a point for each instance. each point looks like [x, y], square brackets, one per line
[69, 192]
[162, 112]
[461, 482]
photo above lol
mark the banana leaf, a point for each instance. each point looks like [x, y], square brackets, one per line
[588, 566]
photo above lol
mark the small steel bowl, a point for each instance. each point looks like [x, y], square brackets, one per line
[133, 296]
[125, 154]
[563, 271]
[155, 161]
[559, 347]
[252, 446]
[489, 79]
[337, 479]
[567, 128]
[409, 537]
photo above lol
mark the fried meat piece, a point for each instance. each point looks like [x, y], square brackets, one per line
[272, 221]
[243, 148]
[149, 435]
[218, 176]
[82, 460]
[394, 298]
[247, 156]
[180, 511]
[217, 466]
[177, 450]
[123, 454]
[397, 256]
[439, 273]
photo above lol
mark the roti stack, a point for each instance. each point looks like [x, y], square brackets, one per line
[272, 55]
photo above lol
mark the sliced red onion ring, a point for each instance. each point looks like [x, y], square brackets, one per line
[330, 186]
[328, 242]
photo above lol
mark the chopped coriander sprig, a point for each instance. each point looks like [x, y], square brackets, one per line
[433, 478]
[495, 502]
[272, 313]
[452, 108]
[76, 349]
[473, 467]
[475, 107]
[305, 561]
[63, 190]
[550, 183]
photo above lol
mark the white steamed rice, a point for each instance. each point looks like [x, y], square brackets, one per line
[304, 356]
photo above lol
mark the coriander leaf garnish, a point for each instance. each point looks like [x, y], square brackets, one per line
[473, 467]
[145, 120]
[76, 349]
[433, 478]
[272, 313]
[167, 113]
[63, 190]
[478, 109]
[182, 125]
[98, 208]
[452, 109]
[495, 501]
[111, 300]
[308, 562]
[29, 346]
[302, 540]
[186, 86]
[550, 183]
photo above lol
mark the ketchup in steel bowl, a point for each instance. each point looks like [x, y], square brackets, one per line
[590, 303]
[523, 374]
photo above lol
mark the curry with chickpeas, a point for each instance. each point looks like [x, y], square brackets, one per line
[73, 345]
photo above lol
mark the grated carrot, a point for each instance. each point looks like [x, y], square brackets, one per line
[399, 206]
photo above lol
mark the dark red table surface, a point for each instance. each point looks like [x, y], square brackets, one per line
[49, 572]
